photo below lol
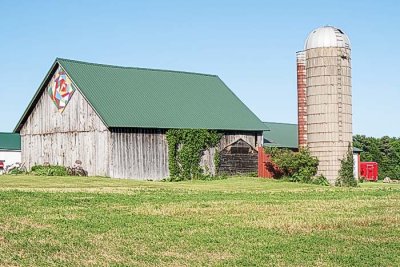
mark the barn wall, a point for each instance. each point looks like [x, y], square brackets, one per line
[139, 154]
[239, 163]
[252, 138]
[143, 153]
[233, 164]
[238, 158]
[62, 138]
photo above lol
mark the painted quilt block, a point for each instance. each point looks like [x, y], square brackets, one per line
[60, 89]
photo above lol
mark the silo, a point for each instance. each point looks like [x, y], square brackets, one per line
[328, 90]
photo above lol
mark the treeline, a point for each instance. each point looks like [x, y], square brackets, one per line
[384, 150]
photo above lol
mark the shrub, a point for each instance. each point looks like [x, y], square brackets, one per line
[49, 170]
[298, 166]
[346, 172]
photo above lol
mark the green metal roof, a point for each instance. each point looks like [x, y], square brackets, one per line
[10, 141]
[282, 135]
[150, 98]
[285, 135]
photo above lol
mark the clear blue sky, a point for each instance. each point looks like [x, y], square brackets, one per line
[251, 45]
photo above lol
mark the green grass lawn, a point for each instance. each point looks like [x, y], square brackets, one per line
[70, 221]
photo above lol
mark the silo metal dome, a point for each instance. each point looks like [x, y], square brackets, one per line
[327, 36]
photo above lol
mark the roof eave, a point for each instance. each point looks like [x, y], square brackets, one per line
[279, 146]
[166, 128]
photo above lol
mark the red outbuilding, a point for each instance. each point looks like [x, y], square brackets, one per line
[369, 170]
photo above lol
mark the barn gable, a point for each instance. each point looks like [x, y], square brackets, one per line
[62, 127]
[49, 116]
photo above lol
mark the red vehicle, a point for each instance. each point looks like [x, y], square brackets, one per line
[369, 170]
[1, 164]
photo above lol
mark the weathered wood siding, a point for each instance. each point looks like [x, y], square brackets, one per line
[238, 158]
[143, 153]
[207, 161]
[252, 138]
[62, 138]
[233, 164]
[139, 154]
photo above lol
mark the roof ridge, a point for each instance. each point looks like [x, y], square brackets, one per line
[136, 68]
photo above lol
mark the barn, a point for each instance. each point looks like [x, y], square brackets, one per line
[114, 119]
[10, 149]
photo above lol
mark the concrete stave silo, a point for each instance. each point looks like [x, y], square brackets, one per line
[328, 98]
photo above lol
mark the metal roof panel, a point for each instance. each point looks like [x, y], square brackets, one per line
[10, 141]
[150, 98]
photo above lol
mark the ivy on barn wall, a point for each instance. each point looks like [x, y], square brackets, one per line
[185, 147]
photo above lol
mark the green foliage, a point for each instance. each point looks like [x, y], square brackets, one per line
[252, 174]
[49, 170]
[346, 172]
[320, 180]
[298, 166]
[217, 160]
[211, 177]
[16, 171]
[385, 151]
[185, 147]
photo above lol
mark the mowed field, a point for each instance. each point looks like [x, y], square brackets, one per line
[240, 221]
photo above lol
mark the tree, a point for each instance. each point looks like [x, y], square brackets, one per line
[346, 172]
[385, 151]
